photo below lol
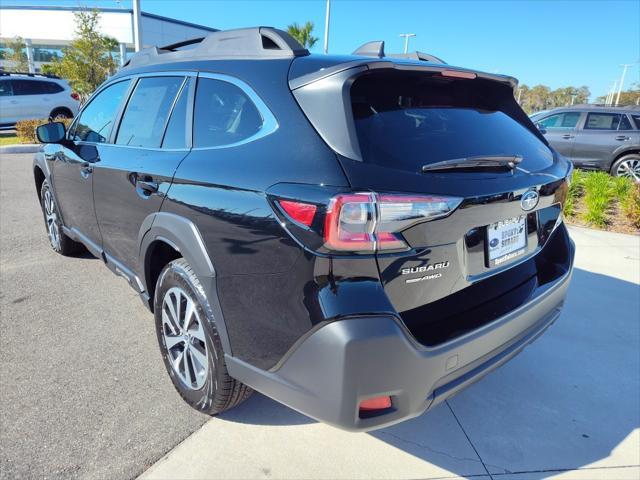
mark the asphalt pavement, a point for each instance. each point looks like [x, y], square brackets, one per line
[84, 393]
[83, 390]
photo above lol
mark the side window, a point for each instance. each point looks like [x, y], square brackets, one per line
[27, 87]
[5, 88]
[607, 121]
[51, 87]
[636, 120]
[96, 119]
[223, 114]
[176, 134]
[561, 120]
[147, 112]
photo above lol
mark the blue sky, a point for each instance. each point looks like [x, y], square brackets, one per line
[553, 42]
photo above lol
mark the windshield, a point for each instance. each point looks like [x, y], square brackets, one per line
[406, 120]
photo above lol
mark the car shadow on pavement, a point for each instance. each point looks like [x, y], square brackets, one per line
[569, 400]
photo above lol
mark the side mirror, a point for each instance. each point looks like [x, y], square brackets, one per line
[541, 127]
[51, 132]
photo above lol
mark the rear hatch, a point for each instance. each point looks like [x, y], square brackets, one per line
[457, 136]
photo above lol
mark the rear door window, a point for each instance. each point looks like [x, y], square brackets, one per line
[28, 87]
[147, 111]
[406, 121]
[567, 120]
[607, 121]
[223, 114]
[176, 134]
[96, 120]
[636, 119]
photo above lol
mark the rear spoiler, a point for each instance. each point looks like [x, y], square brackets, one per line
[397, 63]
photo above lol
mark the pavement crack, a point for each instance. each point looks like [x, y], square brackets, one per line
[426, 447]
[469, 440]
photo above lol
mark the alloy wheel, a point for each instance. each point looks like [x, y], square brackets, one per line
[630, 169]
[184, 338]
[51, 218]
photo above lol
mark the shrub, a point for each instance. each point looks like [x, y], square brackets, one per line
[631, 205]
[575, 191]
[621, 187]
[26, 129]
[598, 193]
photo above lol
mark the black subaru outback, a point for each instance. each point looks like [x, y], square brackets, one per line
[358, 237]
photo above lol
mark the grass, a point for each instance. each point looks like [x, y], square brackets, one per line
[9, 139]
[599, 200]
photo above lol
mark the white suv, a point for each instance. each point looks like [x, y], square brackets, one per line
[29, 96]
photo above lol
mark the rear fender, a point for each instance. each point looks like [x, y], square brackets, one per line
[183, 235]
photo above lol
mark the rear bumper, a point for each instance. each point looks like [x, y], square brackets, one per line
[330, 371]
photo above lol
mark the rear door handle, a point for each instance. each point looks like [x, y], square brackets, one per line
[147, 186]
[622, 137]
[86, 170]
[567, 136]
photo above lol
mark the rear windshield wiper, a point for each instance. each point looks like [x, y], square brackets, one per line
[483, 162]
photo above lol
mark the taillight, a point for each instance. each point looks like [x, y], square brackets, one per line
[75, 96]
[369, 222]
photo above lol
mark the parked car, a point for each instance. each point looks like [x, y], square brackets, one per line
[25, 96]
[356, 237]
[594, 137]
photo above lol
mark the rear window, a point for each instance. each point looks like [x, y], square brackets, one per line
[405, 120]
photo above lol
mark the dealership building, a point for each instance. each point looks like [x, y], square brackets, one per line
[47, 30]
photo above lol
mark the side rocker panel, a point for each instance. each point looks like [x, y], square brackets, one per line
[183, 236]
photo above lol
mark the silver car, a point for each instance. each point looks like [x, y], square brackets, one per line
[595, 137]
[26, 96]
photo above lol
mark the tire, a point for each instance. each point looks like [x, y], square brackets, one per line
[207, 388]
[58, 240]
[60, 114]
[627, 166]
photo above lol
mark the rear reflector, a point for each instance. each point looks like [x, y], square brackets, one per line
[376, 403]
[300, 212]
[75, 96]
[457, 74]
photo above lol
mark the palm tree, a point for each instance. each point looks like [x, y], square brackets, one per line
[303, 34]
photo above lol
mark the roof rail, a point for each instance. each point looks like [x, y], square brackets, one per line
[376, 49]
[249, 43]
[603, 106]
[29, 74]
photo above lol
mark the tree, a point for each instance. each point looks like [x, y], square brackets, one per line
[112, 45]
[303, 34]
[18, 56]
[630, 96]
[542, 97]
[87, 61]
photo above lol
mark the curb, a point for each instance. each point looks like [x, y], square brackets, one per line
[28, 148]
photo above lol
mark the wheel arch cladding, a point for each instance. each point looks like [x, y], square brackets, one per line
[163, 233]
[38, 177]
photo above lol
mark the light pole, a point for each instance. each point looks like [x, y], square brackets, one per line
[612, 92]
[624, 72]
[406, 40]
[326, 27]
[137, 34]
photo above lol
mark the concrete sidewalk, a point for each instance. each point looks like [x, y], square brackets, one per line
[567, 407]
